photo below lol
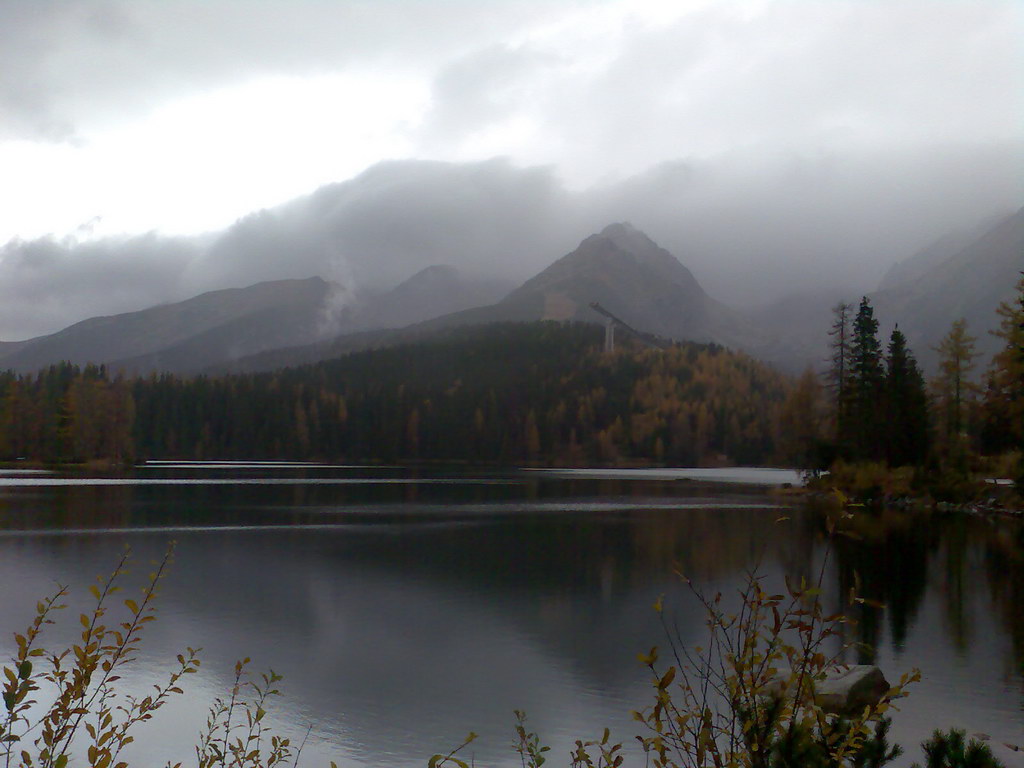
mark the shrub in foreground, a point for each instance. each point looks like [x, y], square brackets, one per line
[61, 704]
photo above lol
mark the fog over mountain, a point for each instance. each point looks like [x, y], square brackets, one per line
[751, 230]
[968, 283]
[153, 151]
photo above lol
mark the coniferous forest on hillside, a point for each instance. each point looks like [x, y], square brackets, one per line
[507, 392]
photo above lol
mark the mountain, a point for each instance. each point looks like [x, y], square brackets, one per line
[189, 335]
[620, 268]
[631, 276]
[963, 274]
[215, 328]
[437, 290]
[970, 283]
[918, 265]
[799, 323]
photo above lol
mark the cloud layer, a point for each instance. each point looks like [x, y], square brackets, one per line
[772, 145]
[751, 230]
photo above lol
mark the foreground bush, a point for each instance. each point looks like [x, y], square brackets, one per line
[58, 704]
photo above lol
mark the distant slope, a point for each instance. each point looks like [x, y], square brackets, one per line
[915, 267]
[621, 268]
[800, 324]
[970, 284]
[960, 275]
[187, 335]
[215, 328]
[440, 289]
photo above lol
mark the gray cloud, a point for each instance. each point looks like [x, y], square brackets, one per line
[772, 146]
[68, 62]
[755, 227]
[802, 77]
[482, 89]
[397, 218]
[46, 284]
[751, 229]
[766, 74]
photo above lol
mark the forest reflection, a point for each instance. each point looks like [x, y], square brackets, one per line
[898, 556]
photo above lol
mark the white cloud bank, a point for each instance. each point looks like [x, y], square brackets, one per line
[826, 137]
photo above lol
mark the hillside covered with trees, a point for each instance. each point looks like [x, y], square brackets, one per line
[530, 392]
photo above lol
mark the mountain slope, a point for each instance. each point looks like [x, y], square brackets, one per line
[915, 267]
[620, 268]
[970, 284]
[215, 328]
[631, 276]
[439, 289]
[241, 321]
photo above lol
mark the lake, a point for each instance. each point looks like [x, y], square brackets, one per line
[407, 607]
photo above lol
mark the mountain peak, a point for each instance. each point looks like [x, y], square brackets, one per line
[632, 276]
[435, 273]
[628, 238]
[618, 228]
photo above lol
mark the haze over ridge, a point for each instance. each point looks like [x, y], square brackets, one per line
[745, 243]
[774, 146]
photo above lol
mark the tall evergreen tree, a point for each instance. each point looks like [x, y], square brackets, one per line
[864, 388]
[906, 405]
[839, 370]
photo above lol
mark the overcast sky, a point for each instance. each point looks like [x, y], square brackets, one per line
[176, 117]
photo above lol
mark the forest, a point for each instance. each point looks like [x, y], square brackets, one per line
[535, 393]
[545, 393]
[875, 406]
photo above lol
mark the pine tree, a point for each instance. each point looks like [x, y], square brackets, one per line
[840, 346]
[906, 405]
[864, 387]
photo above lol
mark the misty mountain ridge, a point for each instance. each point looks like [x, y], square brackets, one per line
[219, 326]
[621, 268]
[199, 331]
[291, 322]
[917, 265]
[630, 275]
[966, 274]
[970, 283]
[435, 290]
[751, 228]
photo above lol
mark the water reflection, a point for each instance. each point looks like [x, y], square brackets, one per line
[887, 563]
[405, 614]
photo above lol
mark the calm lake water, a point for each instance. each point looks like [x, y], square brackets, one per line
[407, 607]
